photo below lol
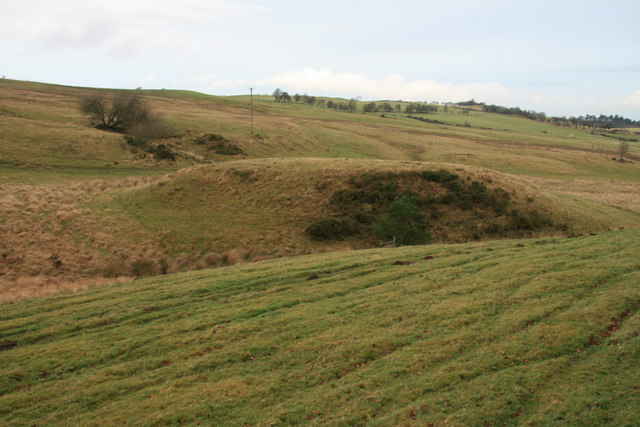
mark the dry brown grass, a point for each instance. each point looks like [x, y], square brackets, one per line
[236, 256]
[619, 194]
[50, 242]
[41, 286]
[54, 231]
[56, 236]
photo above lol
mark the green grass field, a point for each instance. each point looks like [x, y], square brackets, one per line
[541, 331]
[490, 331]
[49, 151]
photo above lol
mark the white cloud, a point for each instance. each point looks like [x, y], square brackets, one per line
[396, 86]
[575, 106]
[347, 84]
[202, 79]
[149, 78]
[114, 24]
[210, 82]
[632, 100]
[393, 86]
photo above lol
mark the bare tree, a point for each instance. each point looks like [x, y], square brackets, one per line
[118, 111]
[623, 148]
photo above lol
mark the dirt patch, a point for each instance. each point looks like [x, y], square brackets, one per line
[7, 345]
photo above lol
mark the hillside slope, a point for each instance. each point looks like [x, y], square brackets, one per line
[46, 137]
[541, 331]
[78, 204]
[57, 237]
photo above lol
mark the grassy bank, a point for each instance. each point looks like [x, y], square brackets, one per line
[541, 331]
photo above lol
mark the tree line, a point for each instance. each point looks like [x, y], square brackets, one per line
[587, 121]
[352, 104]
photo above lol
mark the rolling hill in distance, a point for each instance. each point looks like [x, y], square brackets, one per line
[240, 279]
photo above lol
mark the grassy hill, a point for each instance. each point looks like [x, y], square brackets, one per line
[540, 331]
[46, 137]
[64, 236]
[80, 206]
[475, 328]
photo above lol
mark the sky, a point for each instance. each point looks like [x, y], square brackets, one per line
[561, 57]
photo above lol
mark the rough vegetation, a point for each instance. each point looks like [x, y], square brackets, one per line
[251, 210]
[218, 144]
[489, 332]
[408, 203]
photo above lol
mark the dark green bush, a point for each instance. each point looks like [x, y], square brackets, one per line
[163, 152]
[144, 267]
[219, 144]
[226, 148]
[448, 199]
[332, 229]
[440, 176]
[453, 185]
[526, 220]
[134, 142]
[396, 205]
[403, 223]
[208, 137]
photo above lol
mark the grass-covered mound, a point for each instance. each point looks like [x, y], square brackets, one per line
[405, 205]
[267, 207]
[248, 210]
[541, 331]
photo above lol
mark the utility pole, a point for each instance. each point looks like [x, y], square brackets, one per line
[251, 97]
[593, 134]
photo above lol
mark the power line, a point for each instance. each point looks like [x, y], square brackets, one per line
[251, 97]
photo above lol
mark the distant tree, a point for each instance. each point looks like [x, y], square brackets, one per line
[277, 94]
[623, 148]
[297, 97]
[386, 107]
[470, 103]
[353, 104]
[285, 97]
[117, 111]
[124, 112]
[369, 107]
[331, 104]
[398, 108]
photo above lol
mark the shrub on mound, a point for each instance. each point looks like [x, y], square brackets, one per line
[332, 229]
[219, 144]
[163, 152]
[404, 223]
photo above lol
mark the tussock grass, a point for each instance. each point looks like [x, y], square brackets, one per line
[48, 240]
[540, 331]
[238, 211]
[53, 225]
[266, 204]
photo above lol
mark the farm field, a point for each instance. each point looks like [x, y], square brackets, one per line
[537, 331]
[244, 281]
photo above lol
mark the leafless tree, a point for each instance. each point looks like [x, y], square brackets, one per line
[623, 148]
[118, 111]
